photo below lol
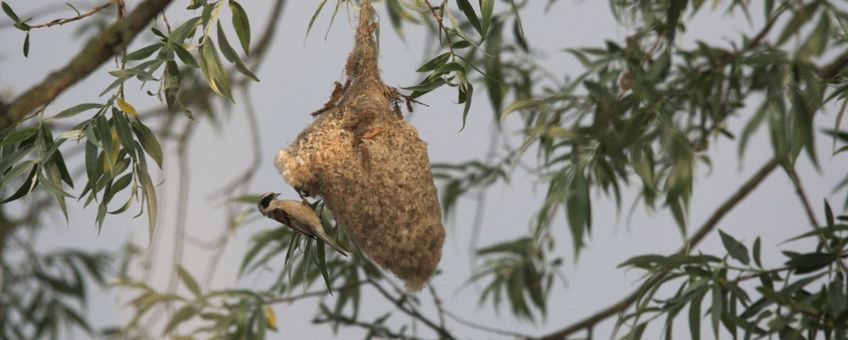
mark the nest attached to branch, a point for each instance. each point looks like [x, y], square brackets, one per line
[371, 168]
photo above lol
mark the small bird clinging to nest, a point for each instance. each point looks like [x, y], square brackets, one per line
[297, 215]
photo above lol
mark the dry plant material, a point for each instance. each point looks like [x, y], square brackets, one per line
[371, 168]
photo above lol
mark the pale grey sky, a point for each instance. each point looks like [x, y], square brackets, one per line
[297, 77]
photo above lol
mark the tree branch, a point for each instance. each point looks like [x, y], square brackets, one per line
[703, 231]
[80, 16]
[97, 51]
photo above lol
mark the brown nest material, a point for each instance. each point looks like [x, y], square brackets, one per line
[371, 168]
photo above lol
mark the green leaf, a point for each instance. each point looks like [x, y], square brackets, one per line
[466, 9]
[19, 135]
[321, 261]
[828, 215]
[125, 135]
[184, 30]
[149, 192]
[810, 262]
[26, 187]
[579, 209]
[144, 52]
[10, 12]
[183, 314]
[231, 55]
[717, 308]
[434, 63]
[801, 17]
[756, 252]
[736, 249]
[241, 24]
[185, 56]
[213, 70]
[315, 16]
[466, 98]
[695, 316]
[148, 141]
[76, 109]
[26, 45]
[487, 7]
[189, 281]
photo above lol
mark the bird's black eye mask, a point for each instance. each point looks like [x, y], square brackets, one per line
[266, 200]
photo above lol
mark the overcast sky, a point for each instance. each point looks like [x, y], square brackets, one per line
[297, 78]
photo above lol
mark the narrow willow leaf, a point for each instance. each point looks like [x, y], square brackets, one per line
[76, 109]
[149, 197]
[144, 52]
[468, 11]
[26, 45]
[736, 249]
[756, 252]
[810, 262]
[320, 257]
[189, 281]
[469, 91]
[578, 209]
[125, 135]
[241, 24]
[26, 187]
[183, 314]
[171, 85]
[148, 141]
[487, 8]
[184, 30]
[717, 308]
[19, 135]
[695, 316]
[213, 70]
[434, 63]
[801, 17]
[185, 56]
[12, 15]
[314, 16]
[828, 215]
[231, 55]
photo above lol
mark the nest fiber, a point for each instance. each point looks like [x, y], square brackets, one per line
[371, 168]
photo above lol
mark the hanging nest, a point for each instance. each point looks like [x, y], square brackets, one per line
[371, 168]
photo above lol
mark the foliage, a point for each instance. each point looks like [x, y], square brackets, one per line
[644, 114]
[801, 299]
[48, 292]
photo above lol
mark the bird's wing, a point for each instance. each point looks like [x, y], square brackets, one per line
[279, 213]
[309, 220]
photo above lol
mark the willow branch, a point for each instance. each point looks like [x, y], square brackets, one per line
[811, 215]
[96, 52]
[80, 16]
[708, 226]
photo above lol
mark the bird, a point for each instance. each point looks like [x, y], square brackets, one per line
[298, 216]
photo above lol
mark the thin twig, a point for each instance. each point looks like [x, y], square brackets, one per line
[485, 328]
[438, 302]
[623, 304]
[808, 210]
[182, 203]
[81, 16]
[439, 17]
[317, 293]
[443, 333]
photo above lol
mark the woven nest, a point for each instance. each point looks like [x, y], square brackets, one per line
[371, 168]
